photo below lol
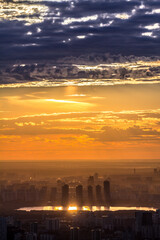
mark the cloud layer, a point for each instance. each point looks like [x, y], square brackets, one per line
[83, 70]
[43, 29]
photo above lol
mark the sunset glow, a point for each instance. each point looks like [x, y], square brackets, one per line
[102, 123]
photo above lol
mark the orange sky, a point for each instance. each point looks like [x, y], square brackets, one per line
[112, 122]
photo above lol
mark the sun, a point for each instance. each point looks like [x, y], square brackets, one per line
[72, 208]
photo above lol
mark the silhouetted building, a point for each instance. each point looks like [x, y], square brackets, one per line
[65, 195]
[21, 194]
[155, 170]
[98, 194]
[91, 180]
[53, 196]
[107, 197]
[90, 195]
[144, 225]
[52, 224]
[96, 234]
[96, 178]
[34, 227]
[3, 228]
[74, 233]
[29, 236]
[47, 236]
[79, 195]
[43, 193]
[143, 218]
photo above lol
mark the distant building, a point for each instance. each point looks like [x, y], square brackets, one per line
[34, 227]
[3, 229]
[65, 195]
[143, 218]
[31, 236]
[99, 194]
[155, 170]
[74, 233]
[96, 234]
[43, 193]
[144, 224]
[96, 178]
[47, 236]
[21, 194]
[52, 224]
[107, 196]
[79, 195]
[53, 195]
[91, 180]
[90, 195]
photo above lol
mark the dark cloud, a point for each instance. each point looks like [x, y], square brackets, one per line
[68, 68]
[54, 29]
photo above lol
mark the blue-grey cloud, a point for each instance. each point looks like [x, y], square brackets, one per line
[47, 30]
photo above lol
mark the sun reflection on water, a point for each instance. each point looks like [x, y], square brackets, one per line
[86, 208]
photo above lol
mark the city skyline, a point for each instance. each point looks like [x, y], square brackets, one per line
[79, 80]
[79, 120]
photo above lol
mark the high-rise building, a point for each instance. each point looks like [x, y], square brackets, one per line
[144, 224]
[53, 195]
[43, 193]
[34, 227]
[107, 197]
[96, 234]
[21, 194]
[52, 224]
[74, 233]
[143, 218]
[91, 180]
[99, 194]
[65, 195]
[79, 195]
[47, 236]
[30, 236]
[96, 178]
[3, 228]
[90, 195]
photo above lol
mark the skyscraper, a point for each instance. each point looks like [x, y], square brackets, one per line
[74, 233]
[96, 178]
[53, 196]
[99, 194]
[144, 225]
[107, 197]
[143, 218]
[91, 180]
[34, 227]
[65, 195]
[79, 195]
[52, 224]
[96, 234]
[3, 228]
[90, 195]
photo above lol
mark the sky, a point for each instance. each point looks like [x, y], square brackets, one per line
[111, 122]
[49, 29]
[79, 80]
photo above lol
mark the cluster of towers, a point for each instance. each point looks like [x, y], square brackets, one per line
[75, 235]
[95, 194]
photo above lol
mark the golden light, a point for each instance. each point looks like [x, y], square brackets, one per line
[59, 208]
[95, 208]
[61, 101]
[86, 208]
[72, 208]
[47, 208]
